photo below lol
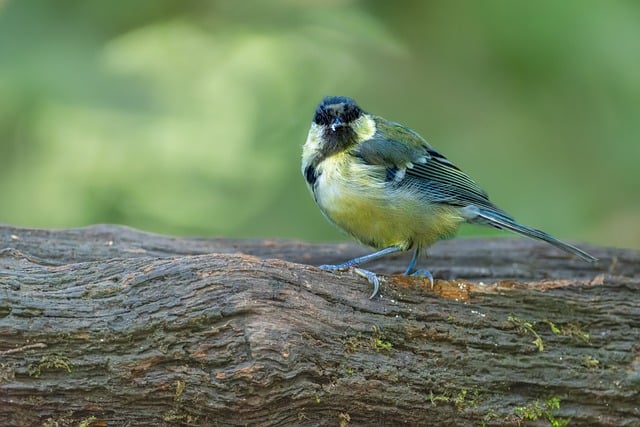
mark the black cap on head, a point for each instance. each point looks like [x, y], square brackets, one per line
[336, 110]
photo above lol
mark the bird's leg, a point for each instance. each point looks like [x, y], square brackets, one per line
[412, 263]
[370, 276]
[360, 260]
[417, 273]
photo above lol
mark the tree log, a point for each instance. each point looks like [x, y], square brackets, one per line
[106, 325]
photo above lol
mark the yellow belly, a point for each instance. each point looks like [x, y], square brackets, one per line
[357, 199]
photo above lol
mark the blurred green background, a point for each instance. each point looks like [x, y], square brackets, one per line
[188, 117]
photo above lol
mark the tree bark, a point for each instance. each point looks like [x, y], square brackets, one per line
[106, 325]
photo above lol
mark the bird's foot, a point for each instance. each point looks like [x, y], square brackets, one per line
[423, 273]
[369, 275]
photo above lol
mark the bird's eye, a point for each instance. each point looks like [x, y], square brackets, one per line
[321, 117]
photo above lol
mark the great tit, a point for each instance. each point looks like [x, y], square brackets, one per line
[383, 184]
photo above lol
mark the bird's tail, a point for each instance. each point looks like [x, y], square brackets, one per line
[501, 221]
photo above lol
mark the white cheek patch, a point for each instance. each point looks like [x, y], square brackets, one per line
[312, 145]
[365, 127]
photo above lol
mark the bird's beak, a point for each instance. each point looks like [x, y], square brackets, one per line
[336, 122]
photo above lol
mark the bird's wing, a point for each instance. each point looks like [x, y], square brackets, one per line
[406, 155]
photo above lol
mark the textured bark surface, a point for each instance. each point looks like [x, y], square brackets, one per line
[106, 325]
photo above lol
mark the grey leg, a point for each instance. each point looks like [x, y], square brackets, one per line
[370, 276]
[412, 263]
[410, 271]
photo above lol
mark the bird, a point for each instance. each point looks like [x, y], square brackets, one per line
[384, 185]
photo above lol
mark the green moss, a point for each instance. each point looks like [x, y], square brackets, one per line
[458, 398]
[344, 418]
[378, 344]
[435, 398]
[554, 329]
[527, 328]
[590, 362]
[542, 410]
[50, 362]
[353, 344]
[6, 373]
[174, 416]
[87, 422]
[569, 330]
[180, 386]
[376, 341]
[65, 420]
[575, 331]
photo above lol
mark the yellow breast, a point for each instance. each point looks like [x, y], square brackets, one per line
[357, 199]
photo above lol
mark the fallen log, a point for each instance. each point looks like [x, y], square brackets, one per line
[106, 325]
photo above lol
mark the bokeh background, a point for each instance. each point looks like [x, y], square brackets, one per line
[188, 117]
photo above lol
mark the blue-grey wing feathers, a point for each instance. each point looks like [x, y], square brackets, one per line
[432, 176]
[495, 219]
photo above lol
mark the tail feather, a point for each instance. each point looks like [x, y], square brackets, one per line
[498, 220]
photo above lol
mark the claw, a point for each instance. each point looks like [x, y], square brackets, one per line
[424, 273]
[371, 278]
